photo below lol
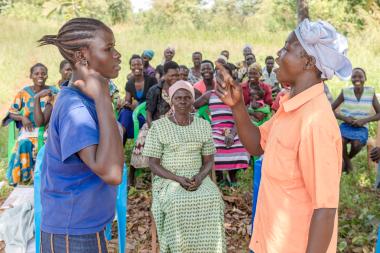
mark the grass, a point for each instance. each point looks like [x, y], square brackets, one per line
[359, 205]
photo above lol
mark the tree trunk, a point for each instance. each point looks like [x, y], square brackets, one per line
[302, 10]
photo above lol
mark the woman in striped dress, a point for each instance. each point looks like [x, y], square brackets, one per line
[230, 154]
[358, 103]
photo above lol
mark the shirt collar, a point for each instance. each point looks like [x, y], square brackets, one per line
[297, 101]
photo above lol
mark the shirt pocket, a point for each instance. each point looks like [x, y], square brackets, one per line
[284, 166]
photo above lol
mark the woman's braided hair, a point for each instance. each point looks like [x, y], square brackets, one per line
[73, 35]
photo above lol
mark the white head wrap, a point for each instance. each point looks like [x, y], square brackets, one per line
[327, 46]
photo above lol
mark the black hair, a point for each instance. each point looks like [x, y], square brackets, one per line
[73, 35]
[160, 70]
[36, 66]
[362, 70]
[269, 58]
[183, 67]
[208, 61]
[225, 51]
[231, 66]
[134, 56]
[259, 90]
[63, 63]
[197, 52]
[170, 65]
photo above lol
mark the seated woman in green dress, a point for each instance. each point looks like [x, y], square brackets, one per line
[187, 206]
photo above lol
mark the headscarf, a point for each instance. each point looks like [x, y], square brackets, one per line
[247, 46]
[181, 85]
[327, 46]
[148, 53]
[256, 66]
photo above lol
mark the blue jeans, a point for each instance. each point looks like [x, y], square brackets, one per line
[57, 243]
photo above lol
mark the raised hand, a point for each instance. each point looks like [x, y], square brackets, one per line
[228, 90]
[93, 84]
[43, 93]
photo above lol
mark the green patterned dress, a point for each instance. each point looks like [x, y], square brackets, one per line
[187, 222]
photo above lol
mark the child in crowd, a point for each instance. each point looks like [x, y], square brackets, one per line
[65, 70]
[358, 103]
[258, 111]
[83, 161]
[183, 72]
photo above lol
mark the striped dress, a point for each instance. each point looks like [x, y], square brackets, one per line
[358, 109]
[234, 157]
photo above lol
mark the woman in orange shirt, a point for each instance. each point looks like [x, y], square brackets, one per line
[299, 190]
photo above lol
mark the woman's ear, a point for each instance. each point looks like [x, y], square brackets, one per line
[310, 62]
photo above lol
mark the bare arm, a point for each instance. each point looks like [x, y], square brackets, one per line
[321, 230]
[231, 94]
[339, 100]
[157, 169]
[149, 118]
[376, 106]
[202, 100]
[41, 118]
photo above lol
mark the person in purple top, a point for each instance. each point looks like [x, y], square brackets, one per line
[83, 159]
[147, 56]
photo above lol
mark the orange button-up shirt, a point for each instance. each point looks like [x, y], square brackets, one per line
[301, 172]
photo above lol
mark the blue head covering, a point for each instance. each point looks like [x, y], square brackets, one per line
[148, 53]
[327, 46]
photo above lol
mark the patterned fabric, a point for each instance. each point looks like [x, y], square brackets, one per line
[187, 222]
[226, 158]
[21, 163]
[192, 78]
[358, 109]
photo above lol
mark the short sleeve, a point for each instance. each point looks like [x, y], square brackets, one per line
[264, 132]
[320, 155]
[17, 103]
[153, 147]
[208, 147]
[77, 130]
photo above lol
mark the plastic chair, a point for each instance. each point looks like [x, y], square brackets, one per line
[121, 206]
[378, 242]
[256, 185]
[139, 110]
[12, 137]
[203, 112]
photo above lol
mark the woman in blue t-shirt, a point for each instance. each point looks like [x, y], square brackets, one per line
[83, 159]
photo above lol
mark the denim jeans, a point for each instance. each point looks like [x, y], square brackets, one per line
[57, 243]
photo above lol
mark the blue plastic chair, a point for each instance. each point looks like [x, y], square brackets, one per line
[378, 241]
[121, 206]
[256, 185]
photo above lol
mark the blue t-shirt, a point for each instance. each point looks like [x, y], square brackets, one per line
[74, 199]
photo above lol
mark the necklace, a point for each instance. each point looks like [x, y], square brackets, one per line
[183, 123]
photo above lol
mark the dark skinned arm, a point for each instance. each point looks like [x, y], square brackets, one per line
[105, 159]
[149, 118]
[202, 100]
[207, 164]
[41, 118]
[376, 117]
[231, 94]
[157, 169]
[321, 230]
[339, 100]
